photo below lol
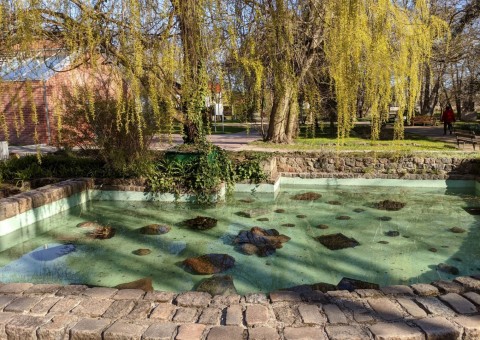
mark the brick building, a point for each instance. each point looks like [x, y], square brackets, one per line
[33, 91]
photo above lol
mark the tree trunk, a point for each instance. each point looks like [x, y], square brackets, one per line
[279, 116]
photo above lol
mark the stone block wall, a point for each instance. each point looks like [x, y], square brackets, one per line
[419, 167]
[17, 204]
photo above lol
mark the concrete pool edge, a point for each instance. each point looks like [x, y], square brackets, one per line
[440, 310]
[26, 208]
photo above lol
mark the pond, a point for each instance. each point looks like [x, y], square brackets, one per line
[429, 235]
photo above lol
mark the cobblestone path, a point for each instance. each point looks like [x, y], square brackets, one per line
[441, 310]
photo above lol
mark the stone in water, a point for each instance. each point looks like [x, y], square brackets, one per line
[210, 263]
[308, 196]
[337, 241]
[201, 223]
[155, 229]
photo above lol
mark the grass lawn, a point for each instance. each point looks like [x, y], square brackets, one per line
[359, 140]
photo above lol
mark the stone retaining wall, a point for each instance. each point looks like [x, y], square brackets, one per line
[318, 165]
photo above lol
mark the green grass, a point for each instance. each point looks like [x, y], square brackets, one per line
[360, 141]
[226, 129]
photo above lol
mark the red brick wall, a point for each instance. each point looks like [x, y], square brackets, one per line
[15, 103]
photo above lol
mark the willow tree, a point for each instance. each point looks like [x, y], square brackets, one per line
[376, 46]
[156, 47]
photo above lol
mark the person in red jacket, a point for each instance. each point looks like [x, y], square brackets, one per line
[448, 117]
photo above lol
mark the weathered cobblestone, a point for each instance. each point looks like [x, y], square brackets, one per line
[346, 333]
[459, 303]
[434, 306]
[166, 297]
[263, 333]
[424, 289]
[160, 331]
[71, 290]
[471, 325]
[22, 304]
[65, 305]
[185, 315]
[210, 316]
[43, 289]
[163, 311]
[116, 309]
[44, 306]
[193, 299]
[89, 329]
[369, 293]
[190, 331]
[129, 294]
[386, 309]
[286, 314]
[226, 332]
[256, 314]
[24, 327]
[395, 331]
[449, 287]
[438, 328]
[58, 328]
[141, 310]
[15, 288]
[397, 290]
[6, 300]
[334, 314]
[4, 319]
[225, 301]
[311, 315]
[469, 283]
[412, 308]
[121, 330]
[474, 297]
[100, 292]
[234, 316]
[304, 333]
[256, 298]
[92, 308]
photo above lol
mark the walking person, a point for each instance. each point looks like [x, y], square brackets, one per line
[448, 118]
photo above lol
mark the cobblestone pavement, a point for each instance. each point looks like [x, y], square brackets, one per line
[441, 310]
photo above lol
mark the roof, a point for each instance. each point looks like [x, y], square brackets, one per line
[32, 68]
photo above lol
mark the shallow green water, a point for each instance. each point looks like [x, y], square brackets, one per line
[54, 250]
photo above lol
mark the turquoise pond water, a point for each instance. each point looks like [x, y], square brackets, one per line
[56, 251]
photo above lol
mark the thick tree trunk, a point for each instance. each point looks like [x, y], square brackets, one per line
[279, 116]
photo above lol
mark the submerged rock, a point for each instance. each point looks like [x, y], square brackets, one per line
[358, 210]
[385, 218]
[334, 202]
[102, 233]
[218, 285]
[457, 230]
[307, 196]
[446, 268]
[307, 288]
[209, 264]
[201, 223]
[252, 213]
[433, 249]
[155, 229]
[343, 218]
[89, 225]
[144, 284]
[383, 242]
[247, 200]
[389, 205]
[337, 241]
[259, 241]
[263, 219]
[392, 233]
[322, 226]
[301, 216]
[142, 252]
[288, 225]
[353, 284]
[279, 211]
